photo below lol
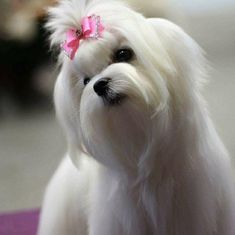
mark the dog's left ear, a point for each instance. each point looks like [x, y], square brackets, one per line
[185, 54]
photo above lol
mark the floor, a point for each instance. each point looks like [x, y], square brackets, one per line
[32, 145]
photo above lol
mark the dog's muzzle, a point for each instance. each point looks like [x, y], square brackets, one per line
[102, 89]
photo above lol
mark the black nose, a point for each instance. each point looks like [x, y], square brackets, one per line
[101, 86]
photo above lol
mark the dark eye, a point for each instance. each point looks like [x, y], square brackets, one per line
[86, 81]
[123, 55]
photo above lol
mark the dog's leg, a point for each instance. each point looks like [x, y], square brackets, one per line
[64, 203]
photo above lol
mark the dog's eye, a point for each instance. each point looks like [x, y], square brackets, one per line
[86, 81]
[123, 55]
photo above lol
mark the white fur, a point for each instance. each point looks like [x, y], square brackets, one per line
[153, 165]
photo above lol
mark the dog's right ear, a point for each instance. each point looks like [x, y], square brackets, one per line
[66, 112]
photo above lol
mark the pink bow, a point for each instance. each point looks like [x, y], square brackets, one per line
[91, 28]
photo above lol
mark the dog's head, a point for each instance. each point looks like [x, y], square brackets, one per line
[119, 97]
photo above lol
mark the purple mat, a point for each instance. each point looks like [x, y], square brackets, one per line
[19, 223]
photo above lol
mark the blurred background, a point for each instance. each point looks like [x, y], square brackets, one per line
[31, 141]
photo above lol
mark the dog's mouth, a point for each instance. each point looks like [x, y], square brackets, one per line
[112, 98]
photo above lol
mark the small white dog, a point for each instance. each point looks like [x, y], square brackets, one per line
[144, 157]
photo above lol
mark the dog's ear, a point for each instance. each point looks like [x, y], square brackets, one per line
[185, 54]
[66, 114]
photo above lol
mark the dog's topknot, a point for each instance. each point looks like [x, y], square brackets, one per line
[68, 14]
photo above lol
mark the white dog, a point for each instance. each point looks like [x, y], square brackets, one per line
[144, 157]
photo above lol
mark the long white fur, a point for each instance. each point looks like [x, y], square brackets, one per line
[153, 165]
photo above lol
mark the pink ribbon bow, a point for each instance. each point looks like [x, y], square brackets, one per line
[91, 28]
